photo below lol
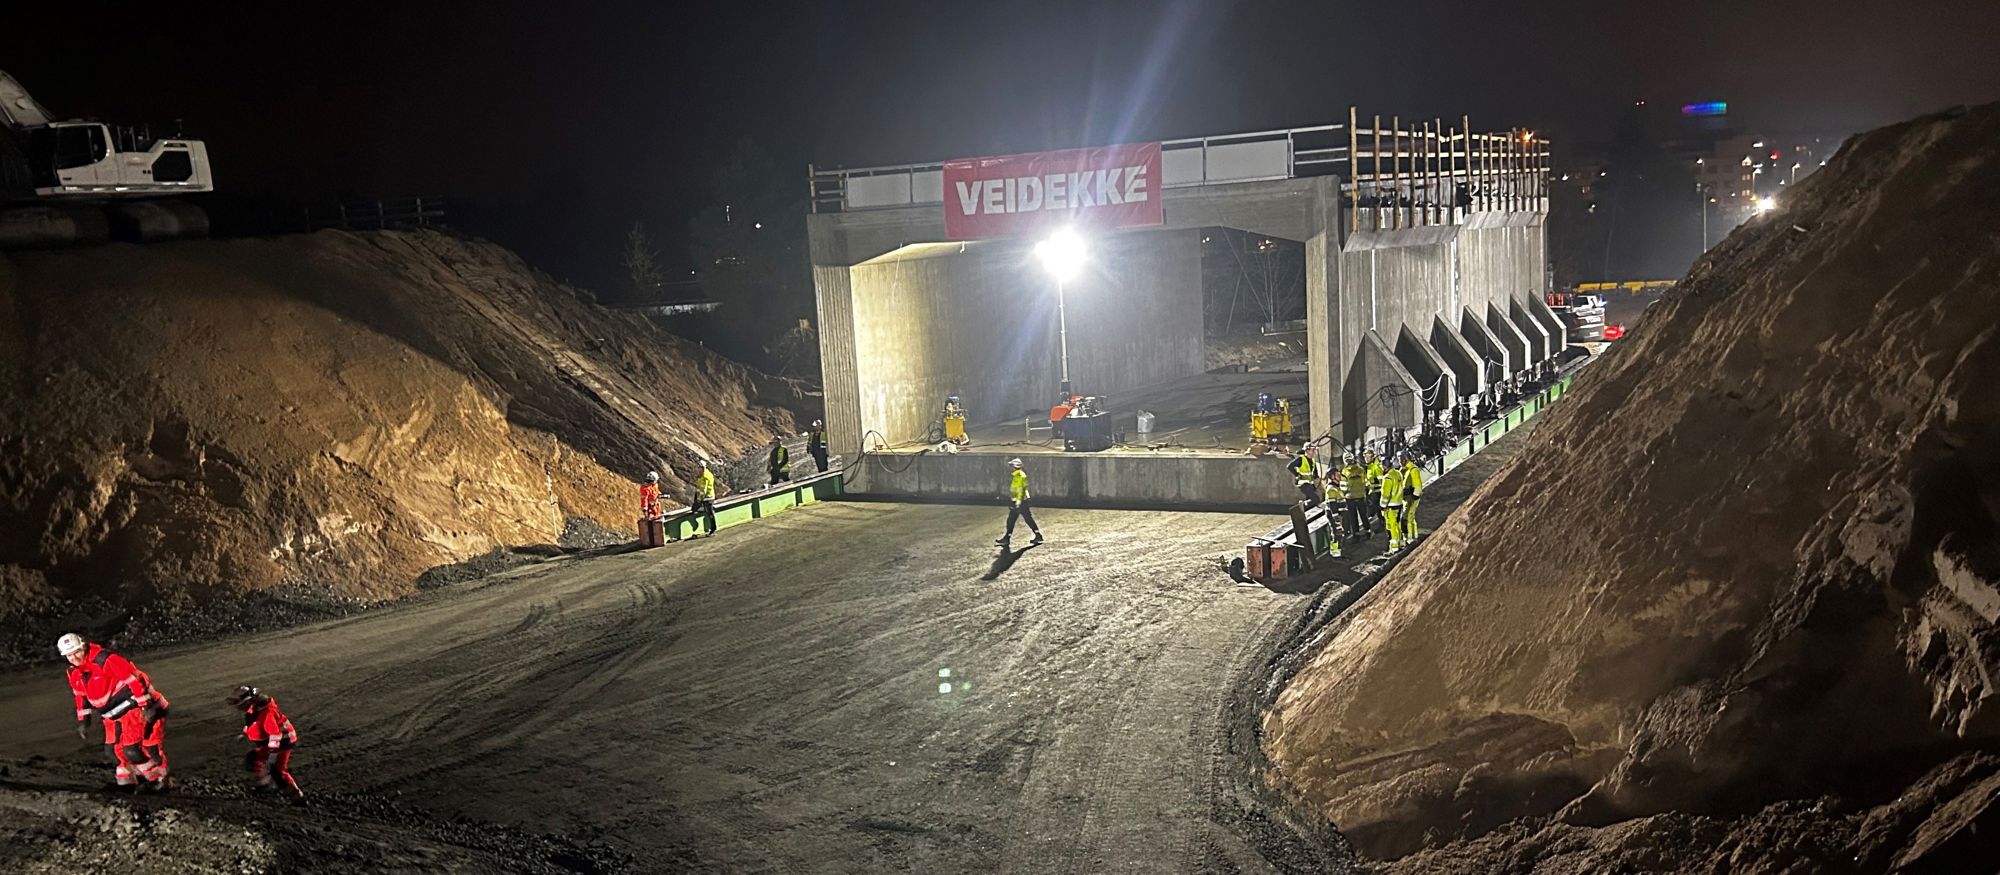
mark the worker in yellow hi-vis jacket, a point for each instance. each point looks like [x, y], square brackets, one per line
[1413, 489]
[1018, 506]
[1392, 504]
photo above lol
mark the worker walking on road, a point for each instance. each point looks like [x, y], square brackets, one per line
[1413, 489]
[1305, 473]
[1392, 505]
[107, 685]
[816, 445]
[780, 462]
[704, 499]
[1019, 506]
[1354, 495]
[272, 739]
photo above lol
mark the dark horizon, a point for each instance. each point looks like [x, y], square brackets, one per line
[556, 130]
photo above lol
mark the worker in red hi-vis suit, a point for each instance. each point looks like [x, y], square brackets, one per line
[272, 739]
[109, 686]
[153, 737]
[649, 497]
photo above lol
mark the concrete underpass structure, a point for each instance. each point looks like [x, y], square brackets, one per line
[1425, 257]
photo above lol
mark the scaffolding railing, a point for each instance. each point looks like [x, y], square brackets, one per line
[1434, 174]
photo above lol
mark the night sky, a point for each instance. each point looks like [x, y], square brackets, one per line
[557, 128]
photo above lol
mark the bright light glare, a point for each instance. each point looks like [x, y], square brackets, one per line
[1766, 204]
[1061, 254]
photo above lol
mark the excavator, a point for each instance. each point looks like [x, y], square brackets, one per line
[79, 182]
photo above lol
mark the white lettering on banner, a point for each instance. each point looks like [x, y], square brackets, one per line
[1135, 184]
[1080, 190]
[1031, 193]
[1107, 186]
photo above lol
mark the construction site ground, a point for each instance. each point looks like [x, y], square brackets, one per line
[846, 687]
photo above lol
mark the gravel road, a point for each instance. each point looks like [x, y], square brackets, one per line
[847, 687]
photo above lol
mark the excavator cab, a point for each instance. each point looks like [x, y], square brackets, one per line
[80, 182]
[93, 159]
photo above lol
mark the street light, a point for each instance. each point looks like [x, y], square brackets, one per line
[1062, 255]
[1766, 204]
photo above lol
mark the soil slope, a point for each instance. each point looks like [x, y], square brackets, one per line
[335, 412]
[1750, 558]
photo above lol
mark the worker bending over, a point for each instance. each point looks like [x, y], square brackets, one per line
[780, 463]
[1018, 507]
[272, 739]
[109, 686]
[1413, 489]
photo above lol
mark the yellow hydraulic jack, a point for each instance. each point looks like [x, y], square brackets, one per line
[954, 422]
[1271, 421]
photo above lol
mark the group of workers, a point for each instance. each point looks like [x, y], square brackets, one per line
[777, 465]
[1369, 488]
[134, 714]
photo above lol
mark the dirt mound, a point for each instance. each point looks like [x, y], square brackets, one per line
[1750, 558]
[330, 413]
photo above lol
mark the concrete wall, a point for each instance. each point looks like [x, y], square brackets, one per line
[1500, 256]
[881, 374]
[1085, 480]
[1379, 393]
[1428, 367]
[979, 320]
[1468, 367]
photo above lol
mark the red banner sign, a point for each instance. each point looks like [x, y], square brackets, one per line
[1099, 187]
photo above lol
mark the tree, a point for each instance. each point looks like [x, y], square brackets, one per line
[642, 261]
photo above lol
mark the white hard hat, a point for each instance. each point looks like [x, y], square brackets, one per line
[652, 475]
[704, 463]
[1016, 462]
[69, 643]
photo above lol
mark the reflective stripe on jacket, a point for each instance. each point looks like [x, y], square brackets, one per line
[264, 723]
[106, 683]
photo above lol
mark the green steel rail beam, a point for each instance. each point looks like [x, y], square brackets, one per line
[741, 508]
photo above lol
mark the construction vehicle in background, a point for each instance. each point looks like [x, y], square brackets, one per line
[80, 181]
[1582, 315]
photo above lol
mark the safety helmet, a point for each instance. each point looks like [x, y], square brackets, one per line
[1016, 462]
[652, 476]
[816, 423]
[70, 643]
[704, 464]
[242, 694]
